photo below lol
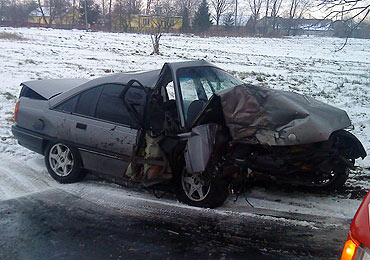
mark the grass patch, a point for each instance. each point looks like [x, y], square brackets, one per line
[10, 117]
[9, 96]
[11, 36]
[30, 61]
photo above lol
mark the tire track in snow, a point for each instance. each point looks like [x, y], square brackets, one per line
[10, 186]
[21, 177]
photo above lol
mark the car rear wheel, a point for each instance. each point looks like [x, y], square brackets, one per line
[63, 163]
[196, 190]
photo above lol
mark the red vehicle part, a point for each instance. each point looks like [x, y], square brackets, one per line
[358, 241]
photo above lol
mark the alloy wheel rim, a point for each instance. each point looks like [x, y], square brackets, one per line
[194, 187]
[61, 160]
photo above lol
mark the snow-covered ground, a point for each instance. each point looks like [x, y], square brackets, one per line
[308, 65]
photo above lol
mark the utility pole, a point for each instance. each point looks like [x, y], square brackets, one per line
[73, 13]
[87, 27]
[236, 15]
[103, 5]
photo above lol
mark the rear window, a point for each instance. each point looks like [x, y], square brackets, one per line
[69, 105]
[29, 93]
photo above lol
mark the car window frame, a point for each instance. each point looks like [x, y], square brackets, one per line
[178, 92]
[141, 119]
[137, 126]
[124, 103]
[180, 96]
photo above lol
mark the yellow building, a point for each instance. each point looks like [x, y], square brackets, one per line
[146, 23]
[120, 22]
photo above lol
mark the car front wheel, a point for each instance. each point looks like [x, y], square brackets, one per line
[196, 190]
[63, 163]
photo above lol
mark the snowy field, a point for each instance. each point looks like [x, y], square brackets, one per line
[308, 65]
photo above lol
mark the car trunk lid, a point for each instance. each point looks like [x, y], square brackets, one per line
[52, 87]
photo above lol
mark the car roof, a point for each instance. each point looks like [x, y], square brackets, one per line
[146, 78]
[184, 64]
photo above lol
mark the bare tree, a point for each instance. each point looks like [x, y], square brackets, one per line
[190, 5]
[123, 10]
[73, 12]
[219, 7]
[42, 12]
[148, 6]
[236, 15]
[267, 8]
[110, 15]
[16, 11]
[119, 12]
[186, 9]
[57, 9]
[350, 12]
[160, 25]
[161, 22]
[60, 10]
[255, 7]
[297, 8]
[134, 7]
[103, 9]
[275, 8]
[349, 9]
[168, 8]
[85, 14]
[4, 5]
[155, 36]
[228, 20]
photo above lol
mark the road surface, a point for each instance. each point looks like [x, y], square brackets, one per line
[74, 222]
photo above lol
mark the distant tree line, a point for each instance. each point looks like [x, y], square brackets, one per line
[16, 11]
[250, 17]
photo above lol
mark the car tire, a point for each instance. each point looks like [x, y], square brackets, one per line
[215, 192]
[339, 177]
[63, 163]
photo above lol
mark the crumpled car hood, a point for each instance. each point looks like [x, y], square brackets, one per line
[256, 114]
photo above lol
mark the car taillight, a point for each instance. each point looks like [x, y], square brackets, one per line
[16, 112]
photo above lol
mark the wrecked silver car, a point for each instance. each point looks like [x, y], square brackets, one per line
[190, 128]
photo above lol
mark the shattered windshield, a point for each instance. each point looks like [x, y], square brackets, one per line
[199, 83]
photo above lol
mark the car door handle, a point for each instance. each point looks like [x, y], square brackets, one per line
[81, 126]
